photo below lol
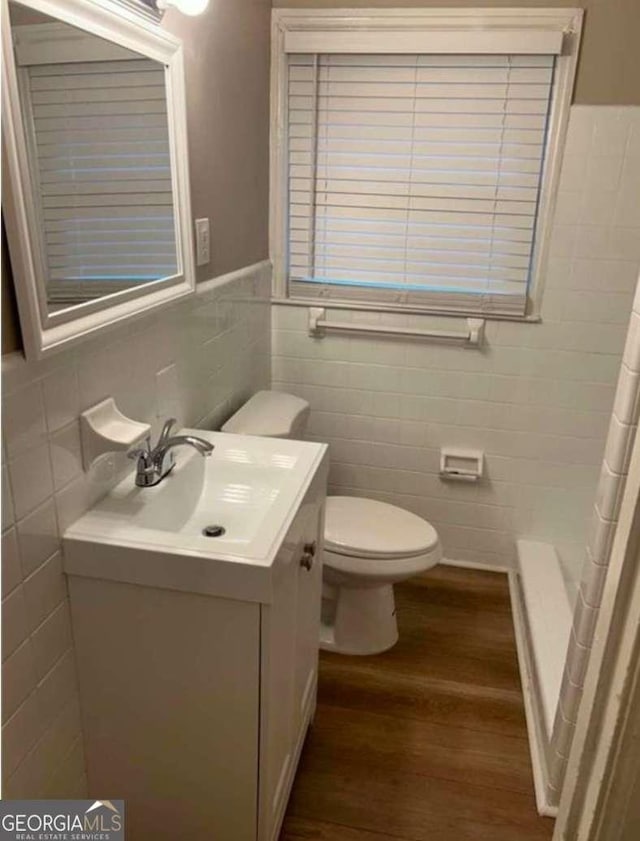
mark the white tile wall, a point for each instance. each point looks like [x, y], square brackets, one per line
[537, 399]
[216, 349]
[620, 439]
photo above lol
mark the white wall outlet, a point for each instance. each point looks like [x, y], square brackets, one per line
[203, 242]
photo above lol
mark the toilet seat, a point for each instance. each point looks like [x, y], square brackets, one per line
[357, 527]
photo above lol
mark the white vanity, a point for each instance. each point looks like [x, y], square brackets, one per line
[197, 656]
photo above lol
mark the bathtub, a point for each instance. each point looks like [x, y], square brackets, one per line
[542, 617]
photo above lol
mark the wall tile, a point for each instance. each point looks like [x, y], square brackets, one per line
[600, 537]
[44, 590]
[76, 498]
[626, 210]
[44, 481]
[611, 132]
[31, 480]
[37, 537]
[8, 516]
[19, 678]
[23, 419]
[57, 689]
[577, 660]
[11, 572]
[617, 275]
[627, 402]
[570, 697]
[602, 172]
[61, 398]
[557, 766]
[66, 454]
[598, 206]
[29, 778]
[41, 762]
[608, 493]
[584, 621]
[573, 173]
[14, 621]
[565, 732]
[593, 580]
[168, 393]
[623, 241]
[619, 443]
[19, 734]
[580, 132]
[631, 355]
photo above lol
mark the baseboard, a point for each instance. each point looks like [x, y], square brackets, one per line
[533, 714]
[451, 562]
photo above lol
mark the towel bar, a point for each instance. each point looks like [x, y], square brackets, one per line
[318, 326]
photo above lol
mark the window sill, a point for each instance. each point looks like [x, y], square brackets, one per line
[533, 318]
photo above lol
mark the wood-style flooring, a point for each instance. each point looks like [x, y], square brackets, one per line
[428, 741]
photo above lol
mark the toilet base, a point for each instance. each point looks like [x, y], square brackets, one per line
[363, 620]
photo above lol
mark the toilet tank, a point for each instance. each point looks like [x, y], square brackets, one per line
[273, 414]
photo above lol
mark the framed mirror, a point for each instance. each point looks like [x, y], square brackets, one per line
[96, 189]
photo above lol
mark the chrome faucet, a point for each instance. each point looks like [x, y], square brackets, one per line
[153, 464]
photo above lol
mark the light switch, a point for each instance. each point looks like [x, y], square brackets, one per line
[203, 242]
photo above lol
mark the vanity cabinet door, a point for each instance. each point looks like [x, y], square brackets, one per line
[308, 615]
[290, 627]
[278, 718]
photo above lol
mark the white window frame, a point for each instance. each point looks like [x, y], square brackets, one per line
[411, 30]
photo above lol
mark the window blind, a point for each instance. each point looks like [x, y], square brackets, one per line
[101, 140]
[416, 178]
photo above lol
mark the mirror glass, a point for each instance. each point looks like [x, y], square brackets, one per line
[96, 126]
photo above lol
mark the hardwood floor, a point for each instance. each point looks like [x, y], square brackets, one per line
[428, 741]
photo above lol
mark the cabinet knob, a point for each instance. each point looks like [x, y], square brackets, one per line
[308, 554]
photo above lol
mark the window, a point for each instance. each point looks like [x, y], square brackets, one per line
[416, 178]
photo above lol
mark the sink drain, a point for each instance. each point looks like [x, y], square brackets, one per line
[213, 531]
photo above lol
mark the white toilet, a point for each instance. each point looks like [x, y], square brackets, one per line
[368, 545]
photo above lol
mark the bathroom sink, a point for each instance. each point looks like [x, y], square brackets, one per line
[212, 522]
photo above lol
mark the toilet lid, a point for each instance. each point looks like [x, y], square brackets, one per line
[371, 529]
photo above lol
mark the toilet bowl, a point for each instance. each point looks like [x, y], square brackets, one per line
[368, 545]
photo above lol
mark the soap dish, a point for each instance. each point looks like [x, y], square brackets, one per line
[104, 429]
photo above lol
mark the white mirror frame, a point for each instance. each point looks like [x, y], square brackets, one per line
[133, 27]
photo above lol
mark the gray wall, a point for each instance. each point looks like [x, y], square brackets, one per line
[227, 70]
[11, 339]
